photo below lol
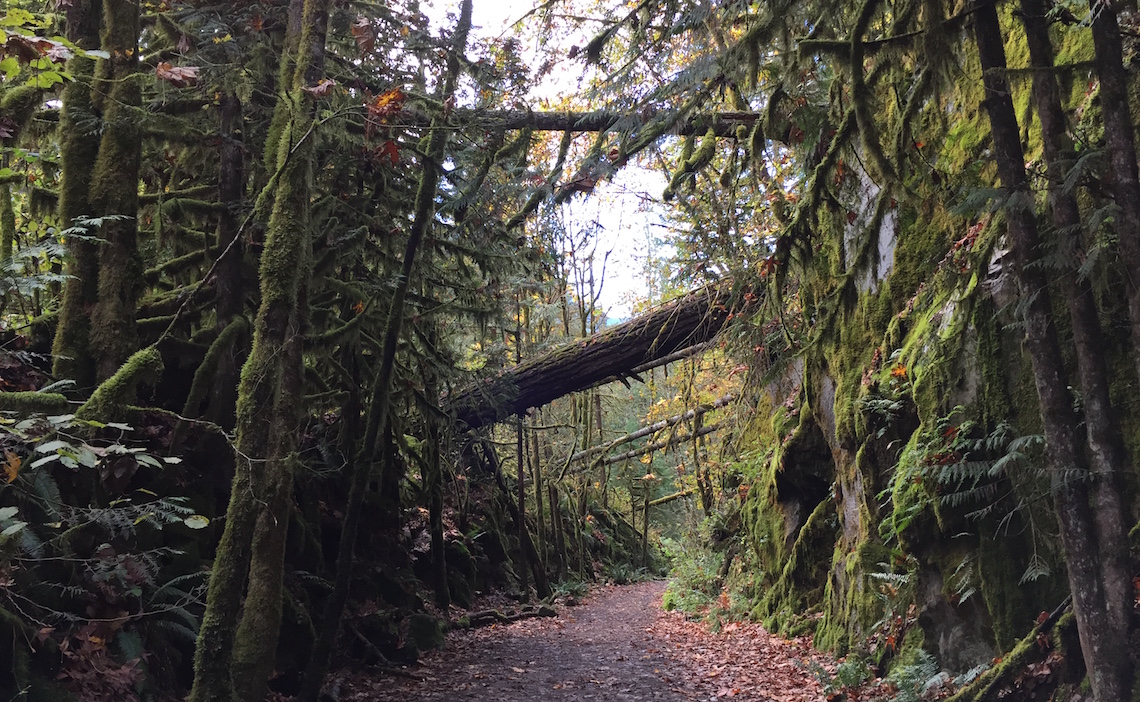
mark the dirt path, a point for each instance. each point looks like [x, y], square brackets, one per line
[619, 645]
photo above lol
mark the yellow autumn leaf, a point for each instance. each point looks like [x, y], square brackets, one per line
[12, 465]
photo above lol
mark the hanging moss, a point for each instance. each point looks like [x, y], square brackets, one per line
[110, 400]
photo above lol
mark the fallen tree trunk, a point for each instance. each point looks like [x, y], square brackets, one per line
[613, 353]
[670, 498]
[723, 124]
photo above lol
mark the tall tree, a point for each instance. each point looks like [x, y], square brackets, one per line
[1100, 642]
[79, 147]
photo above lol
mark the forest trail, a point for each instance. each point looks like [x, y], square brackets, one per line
[618, 645]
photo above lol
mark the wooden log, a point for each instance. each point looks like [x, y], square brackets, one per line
[685, 322]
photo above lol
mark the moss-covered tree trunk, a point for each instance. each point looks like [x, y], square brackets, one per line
[7, 222]
[520, 516]
[1106, 448]
[114, 193]
[286, 262]
[232, 660]
[1070, 493]
[78, 148]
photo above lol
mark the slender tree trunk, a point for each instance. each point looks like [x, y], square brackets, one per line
[556, 530]
[1070, 492]
[539, 489]
[1118, 134]
[228, 278]
[433, 486]
[380, 404]
[603, 470]
[78, 149]
[114, 192]
[7, 221]
[520, 518]
[645, 530]
[541, 582]
[1106, 447]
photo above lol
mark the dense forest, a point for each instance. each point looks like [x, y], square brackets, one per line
[303, 347]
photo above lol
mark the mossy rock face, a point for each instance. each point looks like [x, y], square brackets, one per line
[426, 632]
[461, 589]
[458, 558]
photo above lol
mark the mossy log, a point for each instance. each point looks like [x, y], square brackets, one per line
[115, 394]
[687, 321]
[1030, 649]
[26, 403]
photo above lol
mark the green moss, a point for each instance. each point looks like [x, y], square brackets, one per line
[426, 632]
[1025, 652]
[110, 400]
[79, 146]
[204, 376]
[28, 403]
[19, 103]
[7, 222]
[113, 336]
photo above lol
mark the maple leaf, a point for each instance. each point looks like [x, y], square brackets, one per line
[178, 76]
[321, 89]
[899, 371]
[391, 151]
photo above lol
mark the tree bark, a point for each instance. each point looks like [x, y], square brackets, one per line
[723, 124]
[1121, 143]
[684, 322]
[233, 660]
[1106, 447]
[229, 285]
[1070, 493]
